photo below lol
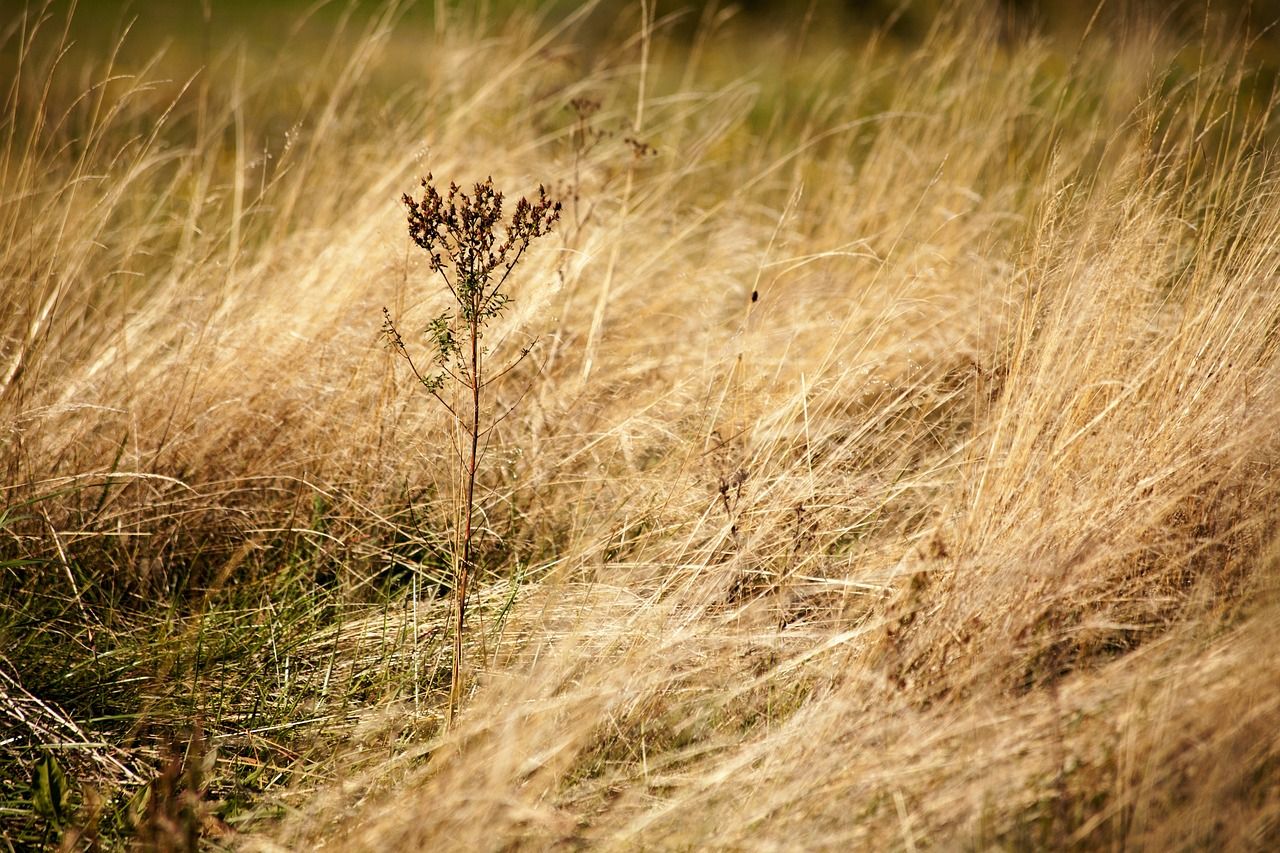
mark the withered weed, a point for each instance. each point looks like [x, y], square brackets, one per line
[473, 250]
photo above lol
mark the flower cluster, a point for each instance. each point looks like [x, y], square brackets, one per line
[469, 245]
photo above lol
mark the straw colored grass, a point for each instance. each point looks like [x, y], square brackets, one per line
[897, 469]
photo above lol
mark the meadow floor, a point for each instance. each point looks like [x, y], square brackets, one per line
[895, 467]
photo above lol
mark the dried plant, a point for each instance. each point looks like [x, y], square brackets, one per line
[1006, 408]
[584, 136]
[474, 251]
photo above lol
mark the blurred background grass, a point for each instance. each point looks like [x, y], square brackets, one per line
[194, 25]
[188, 19]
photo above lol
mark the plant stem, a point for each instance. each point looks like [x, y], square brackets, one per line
[463, 570]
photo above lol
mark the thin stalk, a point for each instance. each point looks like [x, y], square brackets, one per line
[463, 569]
[466, 229]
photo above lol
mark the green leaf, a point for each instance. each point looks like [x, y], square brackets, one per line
[50, 793]
[132, 813]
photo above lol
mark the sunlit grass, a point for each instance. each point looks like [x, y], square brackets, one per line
[897, 469]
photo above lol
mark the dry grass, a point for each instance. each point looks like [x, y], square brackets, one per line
[900, 471]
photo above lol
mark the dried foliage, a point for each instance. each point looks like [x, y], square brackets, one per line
[900, 469]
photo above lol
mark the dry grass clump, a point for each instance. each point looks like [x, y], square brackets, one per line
[898, 470]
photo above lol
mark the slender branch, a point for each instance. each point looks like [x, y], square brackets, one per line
[426, 383]
[447, 283]
[490, 428]
[509, 267]
[524, 353]
[450, 373]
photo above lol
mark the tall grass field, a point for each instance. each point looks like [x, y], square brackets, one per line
[894, 465]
